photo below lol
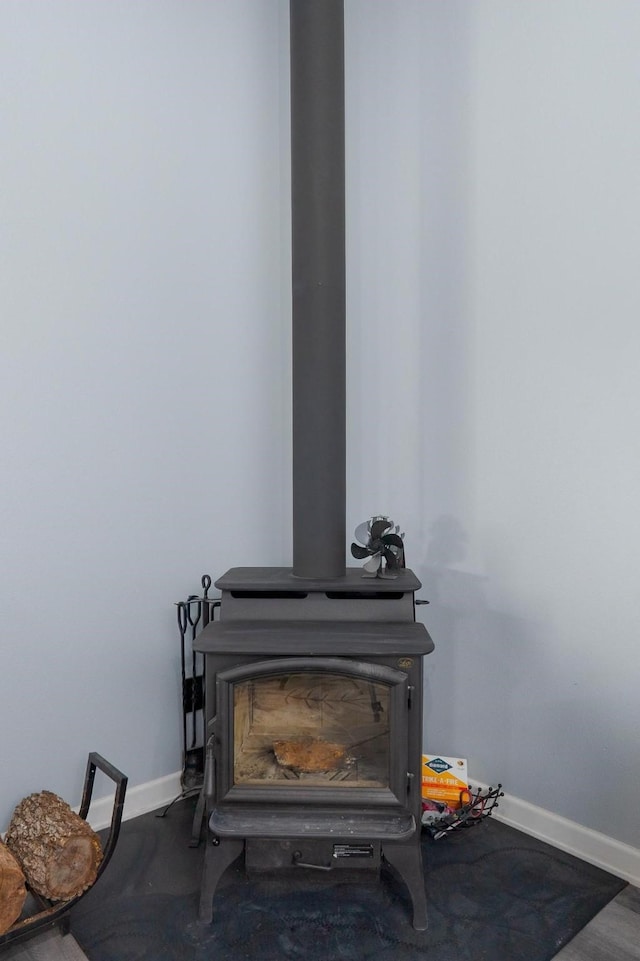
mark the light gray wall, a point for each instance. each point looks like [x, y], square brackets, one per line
[492, 150]
[494, 295]
[556, 397]
[144, 354]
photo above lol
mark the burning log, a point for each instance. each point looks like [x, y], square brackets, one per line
[309, 755]
[13, 891]
[57, 850]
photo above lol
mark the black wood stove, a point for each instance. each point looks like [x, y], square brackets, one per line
[314, 726]
[313, 674]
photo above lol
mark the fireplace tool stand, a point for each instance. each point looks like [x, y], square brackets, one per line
[194, 615]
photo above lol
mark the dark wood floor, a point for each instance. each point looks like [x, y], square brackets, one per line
[613, 935]
[48, 946]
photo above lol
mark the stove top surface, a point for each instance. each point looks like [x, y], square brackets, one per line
[283, 579]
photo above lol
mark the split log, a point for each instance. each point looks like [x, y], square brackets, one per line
[13, 891]
[309, 755]
[58, 851]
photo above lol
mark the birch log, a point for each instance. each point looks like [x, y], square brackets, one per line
[58, 851]
[13, 891]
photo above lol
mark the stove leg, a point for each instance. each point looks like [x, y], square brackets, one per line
[198, 820]
[407, 860]
[217, 858]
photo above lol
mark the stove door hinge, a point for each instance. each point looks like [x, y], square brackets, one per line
[410, 692]
[410, 778]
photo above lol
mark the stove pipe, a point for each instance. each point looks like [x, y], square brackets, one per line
[318, 282]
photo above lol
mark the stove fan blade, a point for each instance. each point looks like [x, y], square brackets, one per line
[379, 541]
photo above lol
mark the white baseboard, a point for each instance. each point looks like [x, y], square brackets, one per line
[599, 849]
[138, 800]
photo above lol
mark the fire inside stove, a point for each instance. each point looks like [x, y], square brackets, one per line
[318, 728]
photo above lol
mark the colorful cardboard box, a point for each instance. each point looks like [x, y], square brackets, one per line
[443, 779]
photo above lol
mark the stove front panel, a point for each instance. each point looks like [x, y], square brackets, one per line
[323, 730]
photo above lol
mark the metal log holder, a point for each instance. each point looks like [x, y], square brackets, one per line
[480, 806]
[52, 913]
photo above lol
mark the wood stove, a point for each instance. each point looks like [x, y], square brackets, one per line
[313, 674]
[313, 710]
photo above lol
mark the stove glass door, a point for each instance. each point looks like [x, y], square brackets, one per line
[312, 727]
[314, 724]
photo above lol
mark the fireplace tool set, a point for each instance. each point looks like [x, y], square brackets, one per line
[193, 615]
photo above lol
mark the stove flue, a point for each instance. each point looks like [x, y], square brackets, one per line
[318, 281]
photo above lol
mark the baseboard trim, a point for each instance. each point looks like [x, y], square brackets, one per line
[138, 800]
[605, 852]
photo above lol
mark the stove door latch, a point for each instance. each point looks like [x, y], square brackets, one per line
[340, 851]
[299, 863]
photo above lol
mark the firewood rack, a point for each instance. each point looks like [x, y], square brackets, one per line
[52, 913]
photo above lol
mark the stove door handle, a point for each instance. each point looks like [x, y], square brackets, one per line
[299, 863]
[210, 767]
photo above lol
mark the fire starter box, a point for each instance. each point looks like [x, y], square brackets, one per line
[443, 779]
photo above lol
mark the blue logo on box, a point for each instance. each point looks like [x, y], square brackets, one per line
[438, 765]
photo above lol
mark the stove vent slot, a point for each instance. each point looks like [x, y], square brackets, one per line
[365, 595]
[260, 595]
